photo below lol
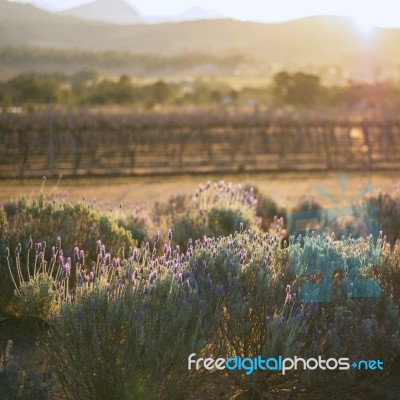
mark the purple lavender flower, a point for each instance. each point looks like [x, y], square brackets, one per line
[107, 259]
[18, 249]
[76, 254]
[153, 276]
[59, 243]
[38, 247]
[67, 269]
[170, 235]
[82, 257]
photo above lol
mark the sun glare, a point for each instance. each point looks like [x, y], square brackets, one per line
[364, 25]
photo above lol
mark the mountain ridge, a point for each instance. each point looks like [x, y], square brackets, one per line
[324, 40]
[111, 11]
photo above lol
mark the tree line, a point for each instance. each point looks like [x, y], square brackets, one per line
[87, 87]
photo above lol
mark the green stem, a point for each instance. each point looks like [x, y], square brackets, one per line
[27, 264]
[12, 276]
[18, 263]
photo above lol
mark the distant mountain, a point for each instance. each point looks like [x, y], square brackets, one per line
[13, 11]
[300, 44]
[112, 11]
[192, 14]
[196, 13]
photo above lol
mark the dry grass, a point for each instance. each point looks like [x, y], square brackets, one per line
[285, 188]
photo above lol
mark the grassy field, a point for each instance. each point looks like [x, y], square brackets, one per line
[284, 188]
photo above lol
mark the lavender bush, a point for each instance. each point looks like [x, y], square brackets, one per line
[387, 207]
[217, 209]
[131, 324]
[78, 224]
[123, 324]
[18, 384]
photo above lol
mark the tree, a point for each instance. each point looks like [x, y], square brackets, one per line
[34, 88]
[161, 92]
[299, 89]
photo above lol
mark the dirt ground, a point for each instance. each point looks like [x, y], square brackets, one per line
[285, 188]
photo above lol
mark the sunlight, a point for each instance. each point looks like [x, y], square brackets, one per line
[365, 25]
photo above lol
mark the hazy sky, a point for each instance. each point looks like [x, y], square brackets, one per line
[370, 12]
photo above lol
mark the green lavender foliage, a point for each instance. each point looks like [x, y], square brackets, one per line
[79, 224]
[122, 325]
[387, 206]
[135, 321]
[216, 210]
[18, 384]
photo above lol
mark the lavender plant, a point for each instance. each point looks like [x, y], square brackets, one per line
[387, 206]
[123, 324]
[78, 224]
[131, 325]
[217, 209]
[18, 384]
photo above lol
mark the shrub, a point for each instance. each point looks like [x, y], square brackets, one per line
[127, 326]
[18, 384]
[138, 221]
[305, 205]
[267, 209]
[360, 327]
[129, 330]
[387, 206]
[78, 224]
[217, 209]
[388, 272]
[36, 297]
